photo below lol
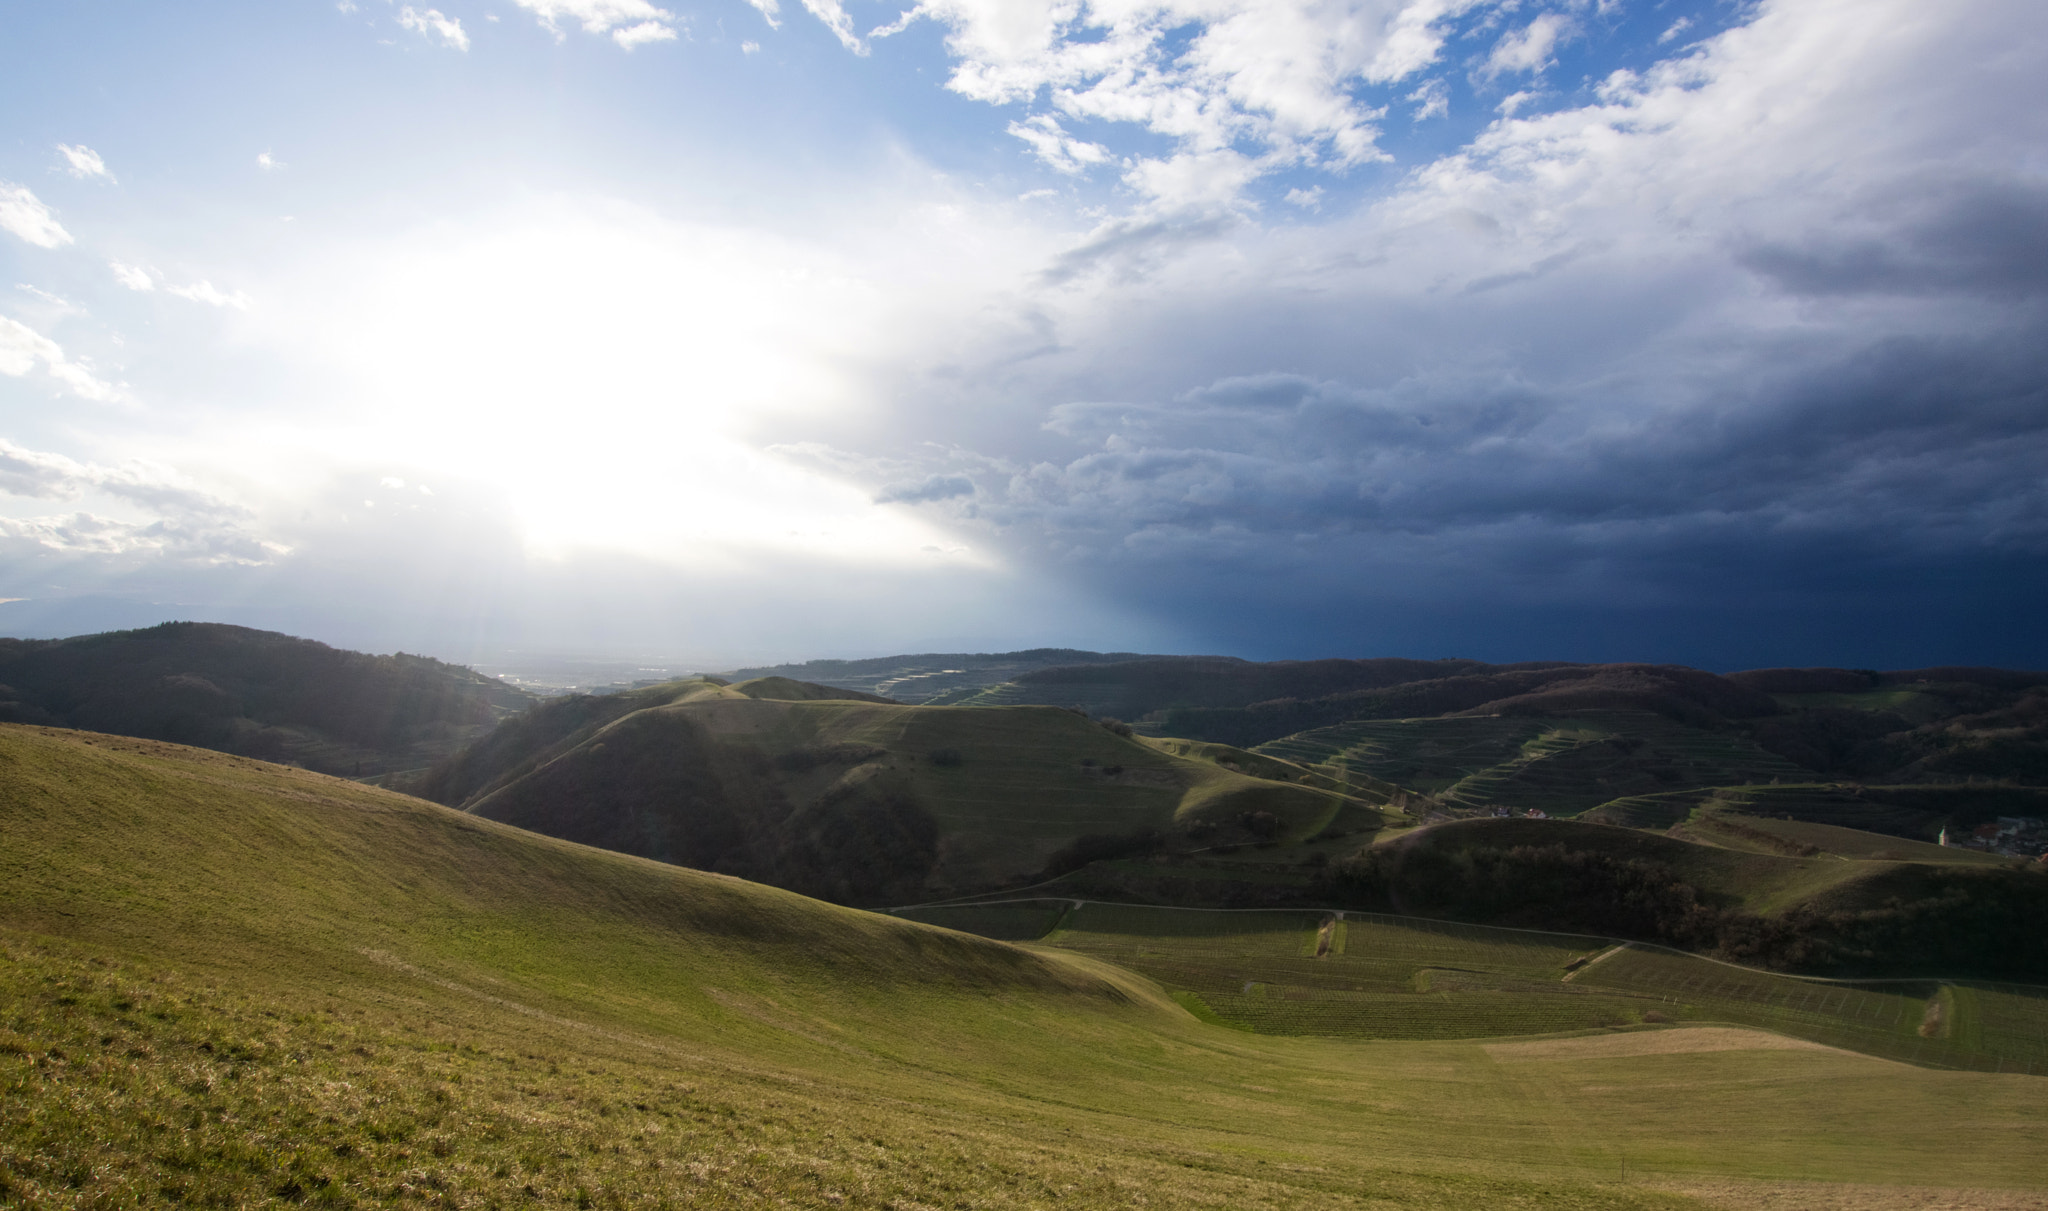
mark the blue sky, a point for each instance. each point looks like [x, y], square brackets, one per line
[1704, 332]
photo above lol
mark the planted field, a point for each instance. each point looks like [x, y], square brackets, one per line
[1426, 755]
[1363, 975]
[1855, 843]
[1351, 975]
[1561, 766]
[1659, 811]
[1981, 1027]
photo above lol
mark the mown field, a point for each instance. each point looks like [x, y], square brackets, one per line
[228, 984]
[1370, 976]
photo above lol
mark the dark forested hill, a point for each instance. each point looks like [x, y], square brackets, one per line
[256, 693]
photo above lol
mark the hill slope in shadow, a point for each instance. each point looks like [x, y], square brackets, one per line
[255, 693]
[848, 798]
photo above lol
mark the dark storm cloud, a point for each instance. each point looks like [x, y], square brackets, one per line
[1980, 237]
[1755, 347]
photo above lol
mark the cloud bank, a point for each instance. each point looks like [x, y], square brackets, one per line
[1437, 327]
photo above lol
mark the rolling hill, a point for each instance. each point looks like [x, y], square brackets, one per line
[840, 795]
[929, 677]
[837, 794]
[227, 983]
[1912, 725]
[256, 693]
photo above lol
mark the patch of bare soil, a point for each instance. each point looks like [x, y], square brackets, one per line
[1650, 1042]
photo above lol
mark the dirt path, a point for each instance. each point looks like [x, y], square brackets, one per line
[1602, 957]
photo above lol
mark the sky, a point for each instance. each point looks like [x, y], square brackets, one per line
[748, 330]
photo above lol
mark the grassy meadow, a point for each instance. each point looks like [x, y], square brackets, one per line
[224, 983]
[1347, 974]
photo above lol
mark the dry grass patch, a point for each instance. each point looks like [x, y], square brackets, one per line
[1679, 1041]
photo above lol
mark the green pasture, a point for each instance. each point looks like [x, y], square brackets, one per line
[230, 984]
[1365, 975]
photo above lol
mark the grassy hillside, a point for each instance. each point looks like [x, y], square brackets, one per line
[1920, 725]
[1913, 725]
[838, 795]
[1138, 688]
[930, 678]
[256, 693]
[1371, 976]
[1561, 765]
[225, 984]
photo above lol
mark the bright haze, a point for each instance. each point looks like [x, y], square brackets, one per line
[1692, 331]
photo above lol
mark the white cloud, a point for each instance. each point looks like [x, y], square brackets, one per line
[53, 304]
[1307, 199]
[268, 162]
[1432, 100]
[645, 32]
[134, 277]
[208, 293]
[836, 19]
[430, 24]
[24, 214]
[1240, 88]
[183, 520]
[1677, 27]
[141, 278]
[750, 48]
[85, 162]
[21, 347]
[1512, 104]
[1058, 149]
[627, 21]
[1530, 48]
[771, 12]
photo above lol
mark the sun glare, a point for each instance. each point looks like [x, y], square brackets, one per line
[599, 368]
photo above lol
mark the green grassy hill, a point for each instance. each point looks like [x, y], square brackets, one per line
[1915, 725]
[224, 983]
[929, 678]
[255, 693]
[860, 801]
[1371, 976]
[1561, 765]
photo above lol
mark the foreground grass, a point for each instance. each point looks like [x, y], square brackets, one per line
[224, 984]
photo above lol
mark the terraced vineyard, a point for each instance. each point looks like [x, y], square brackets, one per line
[1659, 811]
[1426, 755]
[1562, 766]
[1366, 975]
